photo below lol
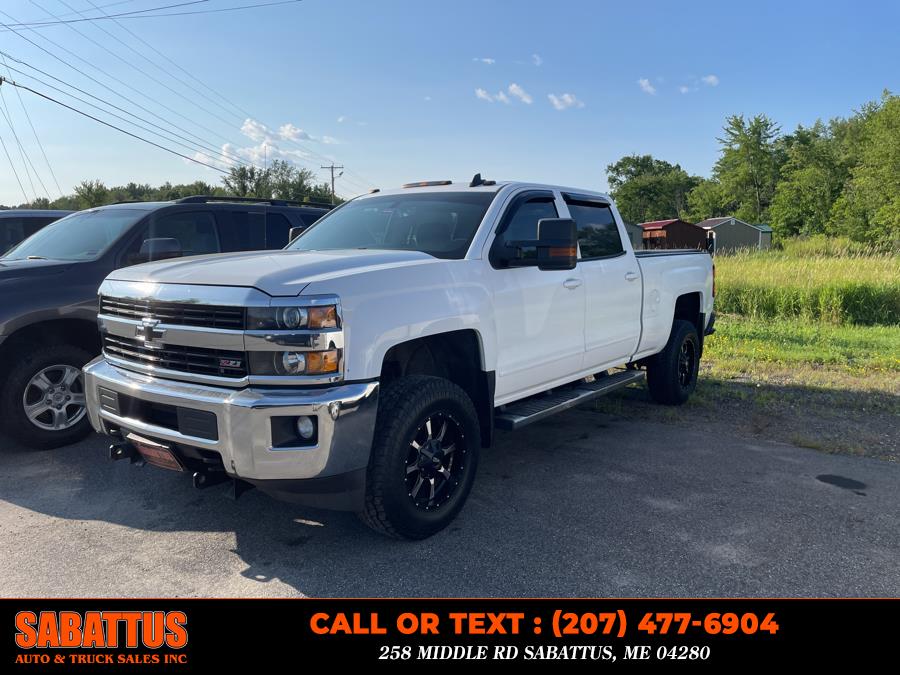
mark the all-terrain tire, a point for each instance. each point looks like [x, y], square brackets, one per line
[672, 374]
[408, 409]
[26, 362]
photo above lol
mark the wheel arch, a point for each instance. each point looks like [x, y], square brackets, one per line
[457, 356]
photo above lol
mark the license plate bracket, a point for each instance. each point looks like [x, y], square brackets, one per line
[154, 453]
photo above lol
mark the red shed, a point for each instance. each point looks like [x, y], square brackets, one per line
[674, 233]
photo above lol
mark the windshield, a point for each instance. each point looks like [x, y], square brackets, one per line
[441, 224]
[82, 236]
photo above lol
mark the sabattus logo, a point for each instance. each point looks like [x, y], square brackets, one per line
[101, 630]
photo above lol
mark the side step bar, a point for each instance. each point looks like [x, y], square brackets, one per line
[522, 413]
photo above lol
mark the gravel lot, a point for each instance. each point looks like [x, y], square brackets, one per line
[586, 504]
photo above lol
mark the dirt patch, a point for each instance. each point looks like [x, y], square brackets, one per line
[861, 423]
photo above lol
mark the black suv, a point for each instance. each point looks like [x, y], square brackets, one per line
[19, 224]
[48, 292]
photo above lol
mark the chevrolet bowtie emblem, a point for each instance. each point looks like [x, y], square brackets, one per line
[148, 332]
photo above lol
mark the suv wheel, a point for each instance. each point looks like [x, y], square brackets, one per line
[672, 374]
[44, 396]
[424, 457]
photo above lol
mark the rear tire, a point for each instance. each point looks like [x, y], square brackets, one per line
[672, 374]
[48, 380]
[424, 457]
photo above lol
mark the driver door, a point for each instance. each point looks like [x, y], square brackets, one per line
[539, 314]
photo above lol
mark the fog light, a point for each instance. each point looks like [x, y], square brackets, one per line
[305, 427]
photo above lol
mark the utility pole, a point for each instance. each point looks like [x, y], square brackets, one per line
[332, 167]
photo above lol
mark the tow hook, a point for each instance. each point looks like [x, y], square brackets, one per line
[205, 479]
[125, 450]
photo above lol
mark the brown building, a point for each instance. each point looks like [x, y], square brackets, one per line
[674, 233]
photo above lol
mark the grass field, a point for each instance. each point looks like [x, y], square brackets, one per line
[806, 351]
[830, 284]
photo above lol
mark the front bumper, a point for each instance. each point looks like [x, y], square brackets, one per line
[345, 417]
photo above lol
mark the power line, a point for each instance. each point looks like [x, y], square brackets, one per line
[13, 167]
[164, 134]
[198, 140]
[122, 14]
[126, 62]
[140, 39]
[129, 63]
[26, 160]
[332, 167]
[112, 126]
[144, 15]
[34, 131]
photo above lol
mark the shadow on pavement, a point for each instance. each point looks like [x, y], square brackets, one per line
[584, 504]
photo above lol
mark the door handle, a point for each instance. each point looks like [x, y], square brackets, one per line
[572, 284]
[631, 276]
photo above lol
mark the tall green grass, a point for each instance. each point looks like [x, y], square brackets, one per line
[831, 283]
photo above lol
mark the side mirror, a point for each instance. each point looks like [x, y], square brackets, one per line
[161, 248]
[556, 244]
[295, 232]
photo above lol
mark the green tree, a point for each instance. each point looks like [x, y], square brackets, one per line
[708, 200]
[91, 193]
[749, 165]
[649, 189]
[812, 178]
[869, 207]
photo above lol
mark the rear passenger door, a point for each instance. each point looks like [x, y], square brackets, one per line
[612, 280]
[243, 229]
[196, 232]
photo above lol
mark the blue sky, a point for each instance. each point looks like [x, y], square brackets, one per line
[401, 91]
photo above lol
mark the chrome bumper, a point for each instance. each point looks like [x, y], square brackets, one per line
[345, 415]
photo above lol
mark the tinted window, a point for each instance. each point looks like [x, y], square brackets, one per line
[441, 224]
[194, 230]
[524, 221]
[85, 235]
[242, 230]
[598, 235]
[277, 229]
[12, 231]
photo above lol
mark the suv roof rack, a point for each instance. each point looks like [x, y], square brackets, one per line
[203, 199]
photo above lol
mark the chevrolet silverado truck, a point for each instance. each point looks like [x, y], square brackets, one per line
[365, 366]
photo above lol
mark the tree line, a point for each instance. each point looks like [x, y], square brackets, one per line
[280, 180]
[840, 178]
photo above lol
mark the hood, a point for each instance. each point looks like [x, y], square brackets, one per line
[273, 272]
[29, 269]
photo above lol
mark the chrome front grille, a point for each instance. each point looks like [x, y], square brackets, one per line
[180, 358]
[176, 313]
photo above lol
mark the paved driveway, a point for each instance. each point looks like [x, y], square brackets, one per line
[581, 505]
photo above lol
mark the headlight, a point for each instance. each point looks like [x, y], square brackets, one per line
[294, 363]
[291, 318]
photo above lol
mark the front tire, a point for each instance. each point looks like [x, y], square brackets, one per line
[672, 374]
[43, 396]
[424, 457]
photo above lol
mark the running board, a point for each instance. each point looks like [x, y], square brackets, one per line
[522, 413]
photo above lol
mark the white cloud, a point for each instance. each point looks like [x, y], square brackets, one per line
[646, 87]
[487, 61]
[291, 133]
[710, 80]
[517, 91]
[537, 60]
[342, 119]
[330, 140]
[684, 89]
[254, 130]
[502, 97]
[564, 101]
[484, 95]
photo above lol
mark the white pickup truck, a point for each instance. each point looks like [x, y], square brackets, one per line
[367, 365]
